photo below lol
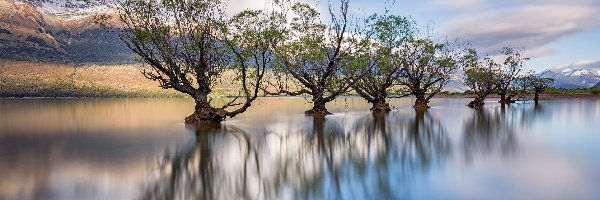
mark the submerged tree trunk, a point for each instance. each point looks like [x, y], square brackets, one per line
[477, 103]
[504, 99]
[319, 109]
[421, 102]
[509, 100]
[381, 106]
[205, 115]
[536, 98]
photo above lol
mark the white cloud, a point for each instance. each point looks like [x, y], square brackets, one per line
[538, 52]
[455, 4]
[531, 26]
[235, 6]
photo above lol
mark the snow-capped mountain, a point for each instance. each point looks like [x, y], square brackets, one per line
[63, 30]
[574, 76]
[74, 9]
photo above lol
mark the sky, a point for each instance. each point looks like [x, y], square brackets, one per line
[554, 33]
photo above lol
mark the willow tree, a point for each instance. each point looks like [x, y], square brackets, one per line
[481, 76]
[538, 85]
[317, 59]
[188, 45]
[425, 68]
[380, 56]
[508, 74]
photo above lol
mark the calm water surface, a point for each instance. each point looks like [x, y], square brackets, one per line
[139, 149]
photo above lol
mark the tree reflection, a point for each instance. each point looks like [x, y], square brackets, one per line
[487, 131]
[312, 158]
[389, 149]
[531, 112]
[493, 130]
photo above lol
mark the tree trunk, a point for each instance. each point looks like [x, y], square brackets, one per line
[421, 102]
[503, 99]
[319, 109]
[204, 115]
[381, 106]
[477, 103]
[509, 100]
[536, 98]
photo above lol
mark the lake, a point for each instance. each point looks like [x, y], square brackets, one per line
[140, 149]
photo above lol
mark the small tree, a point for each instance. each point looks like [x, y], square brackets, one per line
[389, 33]
[425, 68]
[480, 76]
[538, 85]
[189, 44]
[509, 73]
[317, 57]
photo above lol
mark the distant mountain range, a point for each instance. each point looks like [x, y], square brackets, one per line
[574, 76]
[74, 9]
[59, 31]
[64, 31]
[567, 77]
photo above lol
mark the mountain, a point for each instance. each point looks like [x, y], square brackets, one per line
[74, 9]
[59, 31]
[64, 31]
[25, 32]
[574, 76]
[571, 76]
[597, 85]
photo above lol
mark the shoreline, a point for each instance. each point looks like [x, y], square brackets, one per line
[530, 97]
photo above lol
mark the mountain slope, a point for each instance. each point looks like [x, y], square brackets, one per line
[574, 76]
[28, 34]
[73, 9]
[63, 31]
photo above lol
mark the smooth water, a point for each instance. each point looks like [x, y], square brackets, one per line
[139, 149]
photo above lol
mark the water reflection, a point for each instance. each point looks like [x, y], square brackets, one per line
[351, 156]
[65, 165]
[488, 131]
[138, 149]
[494, 129]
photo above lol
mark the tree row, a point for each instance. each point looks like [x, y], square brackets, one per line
[288, 49]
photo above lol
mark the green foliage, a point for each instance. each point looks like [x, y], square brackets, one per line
[572, 91]
[324, 59]
[510, 71]
[190, 44]
[379, 57]
[540, 84]
[481, 74]
[426, 66]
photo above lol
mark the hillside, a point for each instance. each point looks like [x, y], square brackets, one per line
[28, 34]
[73, 9]
[30, 79]
[63, 31]
[574, 76]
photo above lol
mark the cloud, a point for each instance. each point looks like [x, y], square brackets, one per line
[531, 26]
[455, 4]
[538, 52]
[586, 64]
[235, 6]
